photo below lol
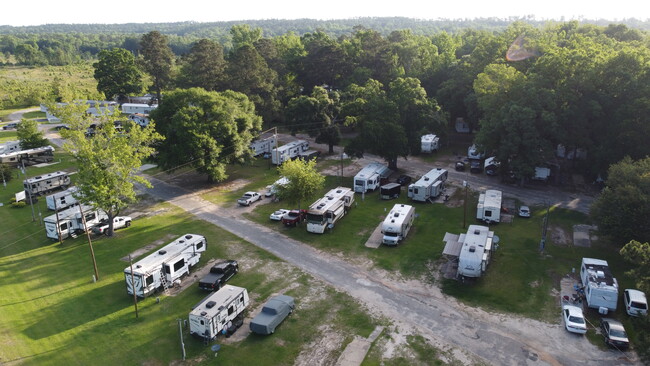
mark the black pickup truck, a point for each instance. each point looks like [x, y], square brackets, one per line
[219, 274]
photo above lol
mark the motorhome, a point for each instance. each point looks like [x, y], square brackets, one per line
[475, 252]
[369, 178]
[429, 186]
[27, 157]
[264, 145]
[131, 108]
[397, 224]
[326, 211]
[62, 200]
[429, 143]
[289, 151]
[489, 206]
[69, 222]
[46, 182]
[166, 265]
[216, 312]
[390, 191]
[474, 153]
[600, 286]
[10, 146]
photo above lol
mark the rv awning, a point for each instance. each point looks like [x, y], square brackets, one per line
[452, 245]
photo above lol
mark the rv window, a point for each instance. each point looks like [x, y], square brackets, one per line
[64, 226]
[167, 269]
[488, 213]
[90, 217]
[231, 310]
[241, 299]
[199, 245]
[48, 182]
[178, 265]
[415, 190]
[148, 281]
[202, 322]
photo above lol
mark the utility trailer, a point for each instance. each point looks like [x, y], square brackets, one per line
[397, 224]
[369, 178]
[217, 311]
[390, 191]
[429, 186]
[69, 222]
[62, 200]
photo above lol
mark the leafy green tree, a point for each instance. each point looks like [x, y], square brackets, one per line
[315, 114]
[639, 254]
[304, 180]
[243, 34]
[6, 173]
[29, 135]
[206, 130]
[157, 60]
[204, 66]
[325, 62]
[117, 74]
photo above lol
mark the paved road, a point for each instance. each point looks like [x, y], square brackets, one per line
[496, 339]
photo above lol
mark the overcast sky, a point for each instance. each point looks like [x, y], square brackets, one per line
[36, 12]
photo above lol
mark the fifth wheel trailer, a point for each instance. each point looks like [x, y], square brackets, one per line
[70, 222]
[369, 178]
[397, 224]
[429, 186]
[62, 200]
[215, 313]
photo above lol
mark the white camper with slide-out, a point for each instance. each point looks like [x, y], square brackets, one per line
[328, 210]
[429, 143]
[369, 178]
[601, 288]
[489, 206]
[143, 108]
[429, 186]
[216, 312]
[46, 182]
[166, 265]
[10, 146]
[44, 154]
[62, 200]
[289, 151]
[273, 188]
[263, 145]
[397, 224]
[70, 222]
[476, 251]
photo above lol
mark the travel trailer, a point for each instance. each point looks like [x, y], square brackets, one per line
[10, 146]
[46, 182]
[69, 223]
[161, 268]
[62, 200]
[429, 143]
[289, 151]
[131, 108]
[476, 251]
[265, 145]
[216, 312]
[489, 206]
[397, 224]
[601, 288]
[140, 119]
[473, 153]
[326, 211]
[273, 188]
[491, 166]
[390, 191]
[429, 186]
[369, 178]
[27, 157]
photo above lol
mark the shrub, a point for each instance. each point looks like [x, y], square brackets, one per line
[20, 204]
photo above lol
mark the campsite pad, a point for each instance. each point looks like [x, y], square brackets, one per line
[581, 236]
[374, 241]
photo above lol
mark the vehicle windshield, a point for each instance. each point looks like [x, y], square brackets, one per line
[577, 320]
[390, 234]
[617, 333]
[315, 218]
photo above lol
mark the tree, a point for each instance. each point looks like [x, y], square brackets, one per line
[29, 135]
[315, 114]
[204, 66]
[206, 130]
[304, 180]
[117, 74]
[108, 161]
[157, 60]
[638, 254]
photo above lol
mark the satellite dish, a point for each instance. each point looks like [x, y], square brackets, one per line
[495, 239]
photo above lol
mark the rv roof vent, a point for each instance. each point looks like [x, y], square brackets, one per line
[162, 252]
[600, 274]
[181, 241]
[477, 231]
[210, 304]
[138, 266]
[396, 214]
[339, 191]
[472, 249]
[330, 197]
[392, 221]
[39, 177]
[203, 313]
[188, 236]
[402, 205]
[426, 179]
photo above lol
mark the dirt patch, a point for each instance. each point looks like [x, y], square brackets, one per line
[323, 350]
[150, 247]
[559, 236]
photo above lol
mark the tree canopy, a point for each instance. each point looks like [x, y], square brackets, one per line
[29, 135]
[117, 74]
[157, 60]
[304, 180]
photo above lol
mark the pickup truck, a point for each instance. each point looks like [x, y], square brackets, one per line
[248, 198]
[272, 314]
[294, 217]
[219, 274]
[118, 223]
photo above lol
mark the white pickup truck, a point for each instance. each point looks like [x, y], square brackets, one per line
[248, 198]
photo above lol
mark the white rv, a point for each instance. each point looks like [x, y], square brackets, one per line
[601, 288]
[47, 182]
[130, 108]
[429, 143]
[44, 154]
[489, 206]
[329, 209]
[10, 146]
[215, 313]
[62, 200]
[369, 178]
[397, 224]
[69, 222]
[289, 151]
[273, 188]
[140, 119]
[429, 186]
[473, 153]
[491, 166]
[161, 268]
[265, 145]
[475, 252]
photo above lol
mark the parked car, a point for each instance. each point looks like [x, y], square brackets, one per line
[524, 211]
[61, 127]
[614, 333]
[404, 180]
[277, 215]
[574, 321]
[248, 198]
[219, 274]
[10, 126]
[118, 223]
[459, 166]
[273, 313]
[636, 303]
[294, 217]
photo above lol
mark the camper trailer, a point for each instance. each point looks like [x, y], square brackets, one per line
[601, 288]
[429, 143]
[27, 157]
[491, 166]
[489, 206]
[390, 191]
[397, 224]
[475, 252]
[289, 151]
[264, 145]
[140, 119]
[161, 268]
[69, 223]
[473, 153]
[131, 108]
[273, 188]
[369, 178]
[9, 147]
[328, 210]
[216, 312]
[62, 200]
[46, 182]
[429, 186]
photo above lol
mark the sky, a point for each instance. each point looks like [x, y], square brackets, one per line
[37, 12]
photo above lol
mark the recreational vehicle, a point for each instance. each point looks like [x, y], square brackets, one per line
[473, 153]
[264, 145]
[131, 108]
[390, 190]
[10, 146]
[475, 252]
[491, 166]
[369, 178]
[47, 182]
[328, 210]
[429, 186]
[166, 265]
[62, 200]
[140, 119]
[216, 312]
[489, 206]
[289, 151]
[273, 188]
[69, 223]
[38, 155]
[429, 143]
[397, 224]
[601, 288]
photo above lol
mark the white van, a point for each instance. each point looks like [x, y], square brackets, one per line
[635, 302]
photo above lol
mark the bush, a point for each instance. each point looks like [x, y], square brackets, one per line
[5, 172]
[20, 204]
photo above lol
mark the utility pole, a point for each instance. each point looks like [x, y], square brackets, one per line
[90, 243]
[542, 242]
[135, 297]
[29, 190]
[58, 225]
[466, 185]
